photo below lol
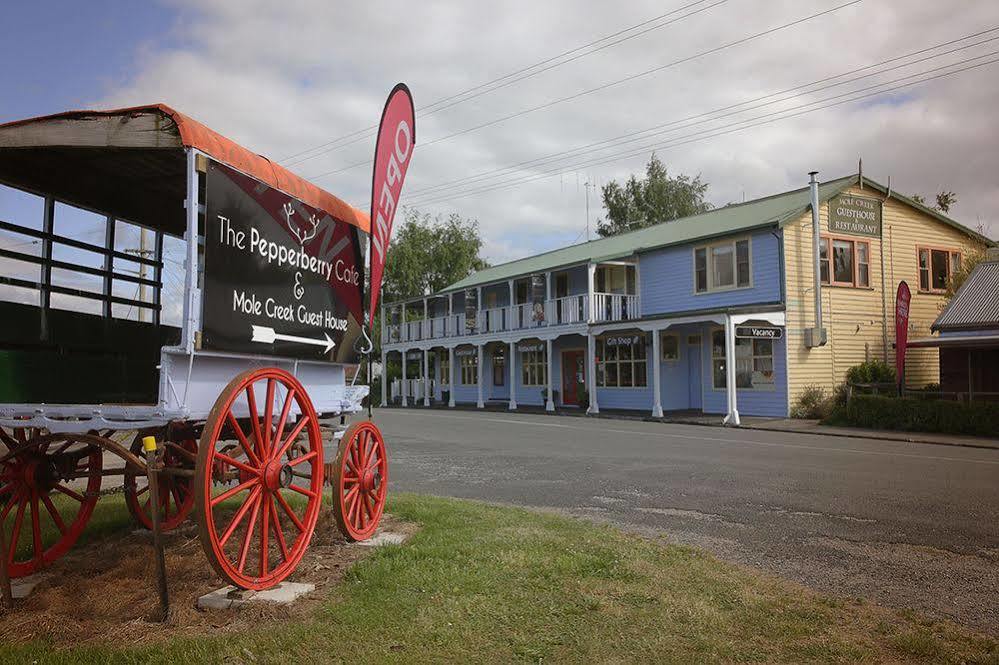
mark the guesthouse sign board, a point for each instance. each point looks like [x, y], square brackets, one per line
[855, 215]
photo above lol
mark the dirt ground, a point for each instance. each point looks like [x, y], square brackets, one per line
[106, 590]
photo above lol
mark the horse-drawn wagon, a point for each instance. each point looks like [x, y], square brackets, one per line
[237, 364]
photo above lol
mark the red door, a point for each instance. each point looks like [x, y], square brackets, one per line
[573, 376]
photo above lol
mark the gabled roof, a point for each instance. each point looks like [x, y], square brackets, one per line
[778, 209]
[975, 306]
[156, 128]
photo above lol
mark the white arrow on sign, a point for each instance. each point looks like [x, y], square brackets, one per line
[267, 335]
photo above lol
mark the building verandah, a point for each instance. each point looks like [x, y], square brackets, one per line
[701, 362]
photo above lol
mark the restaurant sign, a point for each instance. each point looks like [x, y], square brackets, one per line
[855, 215]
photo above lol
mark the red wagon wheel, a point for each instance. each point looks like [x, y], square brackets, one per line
[255, 532]
[48, 488]
[360, 480]
[176, 492]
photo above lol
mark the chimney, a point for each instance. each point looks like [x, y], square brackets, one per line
[816, 336]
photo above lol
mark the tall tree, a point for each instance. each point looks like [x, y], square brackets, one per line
[654, 199]
[945, 200]
[428, 253]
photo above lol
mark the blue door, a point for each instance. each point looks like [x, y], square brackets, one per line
[694, 371]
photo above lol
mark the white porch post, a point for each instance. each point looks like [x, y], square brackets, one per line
[405, 380]
[450, 317]
[479, 324]
[426, 377]
[513, 376]
[511, 313]
[384, 375]
[591, 373]
[450, 378]
[657, 400]
[732, 418]
[550, 404]
[591, 273]
[549, 315]
[480, 404]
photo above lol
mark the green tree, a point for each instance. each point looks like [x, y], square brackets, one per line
[654, 199]
[429, 253]
[945, 200]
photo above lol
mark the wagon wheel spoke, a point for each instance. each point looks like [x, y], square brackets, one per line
[68, 492]
[268, 418]
[295, 431]
[265, 528]
[250, 502]
[241, 437]
[228, 494]
[303, 458]
[288, 511]
[278, 529]
[236, 463]
[15, 533]
[54, 513]
[283, 419]
[36, 528]
[245, 549]
[251, 402]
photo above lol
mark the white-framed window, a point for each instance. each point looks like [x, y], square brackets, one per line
[621, 361]
[534, 367]
[754, 363]
[936, 268]
[616, 278]
[469, 369]
[444, 363]
[846, 261]
[669, 344]
[722, 266]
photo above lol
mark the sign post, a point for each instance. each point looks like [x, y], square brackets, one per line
[902, 299]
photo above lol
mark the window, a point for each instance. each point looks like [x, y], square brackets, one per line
[621, 362]
[847, 261]
[534, 367]
[754, 363]
[670, 347]
[618, 279]
[444, 363]
[470, 368]
[936, 267]
[561, 285]
[721, 266]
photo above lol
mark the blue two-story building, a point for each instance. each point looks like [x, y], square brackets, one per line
[688, 315]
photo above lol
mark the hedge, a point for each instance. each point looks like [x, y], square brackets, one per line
[918, 415]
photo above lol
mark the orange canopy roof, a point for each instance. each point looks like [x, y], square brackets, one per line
[193, 134]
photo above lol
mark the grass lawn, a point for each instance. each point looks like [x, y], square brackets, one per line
[480, 583]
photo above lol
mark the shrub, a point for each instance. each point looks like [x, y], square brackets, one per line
[871, 371]
[812, 403]
[917, 415]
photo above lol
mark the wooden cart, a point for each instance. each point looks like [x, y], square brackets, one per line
[238, 366]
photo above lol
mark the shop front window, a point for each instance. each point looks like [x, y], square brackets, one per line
[754, 363]
[621, 362]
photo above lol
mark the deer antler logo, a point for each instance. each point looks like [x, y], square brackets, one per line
[302, 236]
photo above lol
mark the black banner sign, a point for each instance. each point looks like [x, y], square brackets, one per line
[281, 278]
[471, 308]
[538, 298]
[759, 332]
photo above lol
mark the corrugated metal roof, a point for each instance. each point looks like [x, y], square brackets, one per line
[775, 209]
[976, 303]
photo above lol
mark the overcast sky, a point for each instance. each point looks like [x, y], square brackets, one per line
[284, 77]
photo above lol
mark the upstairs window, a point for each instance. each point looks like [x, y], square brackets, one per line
[722, 266]
[936, 268]
[847, 261]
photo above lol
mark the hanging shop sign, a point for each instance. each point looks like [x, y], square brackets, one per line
[626, 340]
[538, 298]
[281, 277]
[415, 355]
[855, 215]
[465, 352]
[531, 347]
[759, 332]
[471, 309]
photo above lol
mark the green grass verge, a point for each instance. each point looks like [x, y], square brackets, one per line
[480, 583]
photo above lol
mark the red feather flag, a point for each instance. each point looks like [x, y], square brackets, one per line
[393, 152]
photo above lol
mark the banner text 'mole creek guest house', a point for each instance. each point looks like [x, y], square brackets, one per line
[717, 313]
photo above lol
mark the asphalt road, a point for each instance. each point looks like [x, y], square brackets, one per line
[905, 525]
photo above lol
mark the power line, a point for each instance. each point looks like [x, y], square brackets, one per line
[609, 84]
[718, 131]
[515, 77]
[660, 128]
